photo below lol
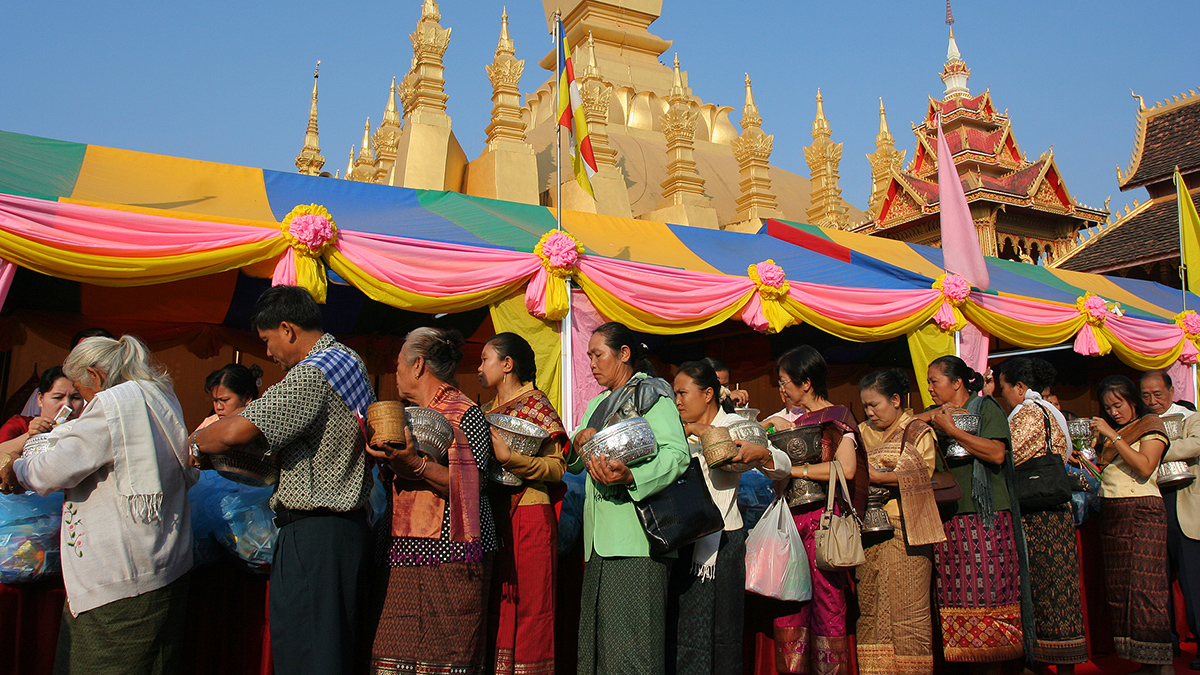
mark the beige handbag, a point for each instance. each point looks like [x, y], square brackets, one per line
[838, 542]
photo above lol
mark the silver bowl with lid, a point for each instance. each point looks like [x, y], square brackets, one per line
[523, 437]
[747, 412]
[1083, 437]
[968, 423]
[625, 441]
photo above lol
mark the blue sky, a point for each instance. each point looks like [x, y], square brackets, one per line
[229, 81]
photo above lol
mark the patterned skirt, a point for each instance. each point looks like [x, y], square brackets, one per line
[895, 631]
[432, 620]
[1134, 536]
[623, 616]
[979, 590]
[1054, 580]
[704, 630]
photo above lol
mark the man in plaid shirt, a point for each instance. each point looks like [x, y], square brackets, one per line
[309, 423]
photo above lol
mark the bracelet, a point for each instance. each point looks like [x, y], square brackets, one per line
[419, 473]
[1118, 438]
[805, 472]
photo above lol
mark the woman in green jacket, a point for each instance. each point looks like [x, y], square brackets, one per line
[622, 624]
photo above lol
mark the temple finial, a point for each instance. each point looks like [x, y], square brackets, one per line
[1141, 102]
[883, 126]
[310, 161]
[429, 10]
[749, 94]
[820, 124]
[677, 83]
[750, 116]
[505, 45]
[949, 17]
[350, 163]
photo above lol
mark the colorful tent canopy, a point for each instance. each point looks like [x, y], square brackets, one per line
[120, 218]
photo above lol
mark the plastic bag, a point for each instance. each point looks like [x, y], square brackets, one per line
[29, 536]
[250, 526]
[776, 562]
[755, 493]
[378, 503]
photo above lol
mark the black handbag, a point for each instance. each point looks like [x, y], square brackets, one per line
[680, 513]
[1042, 481]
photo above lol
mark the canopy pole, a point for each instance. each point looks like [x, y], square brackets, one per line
[958, 343]
[557, 127]
[567, 377]
[565, 334]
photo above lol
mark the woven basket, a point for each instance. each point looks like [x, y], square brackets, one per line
[385, 421]
[718, 446]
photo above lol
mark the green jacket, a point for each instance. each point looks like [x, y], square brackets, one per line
[610, 524]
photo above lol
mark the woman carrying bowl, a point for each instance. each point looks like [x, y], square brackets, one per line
[441, 536]
[811, 637]
[708, 580]
[1049, 532]
[522, 614]
[622, 623]
[1133, 524]
[895, 624]
[978, 568]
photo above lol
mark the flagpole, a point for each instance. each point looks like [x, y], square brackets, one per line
[1177, 179]
[566, 358]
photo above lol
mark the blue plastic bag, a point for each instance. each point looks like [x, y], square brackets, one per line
[250, 530]
[29, 536]
[208, 521]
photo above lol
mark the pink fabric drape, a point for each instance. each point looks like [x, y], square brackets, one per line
[960, 242]
[1181, 377]
[585, 318]
[973, 347]
[672, 294]
[123, 234]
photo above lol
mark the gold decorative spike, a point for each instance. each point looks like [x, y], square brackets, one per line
[752, 149]
[310, 161]
[364, 166]
[387, 138]
[429, 42]
[350, 164]
[683, 183]
[826, 208]
[504, 71]
[596, 93]
[884, 161]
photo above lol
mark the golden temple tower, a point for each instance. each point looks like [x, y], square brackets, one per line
[507, 168]
[387, 138]
[752, 149]
[884, 160]
[428, 155]
[823, 157]
[683, 199]
[310, 161]
[364, 166]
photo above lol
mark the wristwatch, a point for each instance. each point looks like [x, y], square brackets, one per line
[194, 448]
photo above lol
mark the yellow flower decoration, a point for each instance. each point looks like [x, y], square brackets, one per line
[769, 279]
[309, 229]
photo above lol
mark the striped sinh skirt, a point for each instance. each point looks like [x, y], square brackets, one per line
[432, 620]
[1054, 580]
[623, 616]
[979, 590]
[1134, 538]
[895, 631]
[704, 628]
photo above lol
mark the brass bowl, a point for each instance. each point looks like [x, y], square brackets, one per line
[802, 444]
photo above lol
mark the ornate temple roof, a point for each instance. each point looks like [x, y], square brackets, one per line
[1146, 234]
[1168, 135]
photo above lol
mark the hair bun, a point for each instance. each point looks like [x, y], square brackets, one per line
[256, 370]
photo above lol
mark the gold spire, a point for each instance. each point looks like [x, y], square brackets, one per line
[387, 137]
[677, 82]
[820, 124]
[427, 77]
[596, 93]
[683, 183]
[752, 149]
[310, 161]
[504, 71]
[505, 45]
[884, 160]
[350, 163]
[826, 208]
[364, 166]
[592, 70]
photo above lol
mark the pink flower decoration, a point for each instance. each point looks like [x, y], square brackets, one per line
[1189, 321]
[955, 288]
[770, 274]
[1096, 307]
[560, 250]
[314, 231]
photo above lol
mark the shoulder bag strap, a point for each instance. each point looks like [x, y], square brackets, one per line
[1049, 431]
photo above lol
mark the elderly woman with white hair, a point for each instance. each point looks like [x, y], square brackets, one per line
[127, 532]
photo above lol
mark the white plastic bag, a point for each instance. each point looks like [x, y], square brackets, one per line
[776, 562]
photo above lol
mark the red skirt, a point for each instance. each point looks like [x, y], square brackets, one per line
[523, 592]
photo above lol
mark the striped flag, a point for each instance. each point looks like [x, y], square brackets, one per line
[1189, 234]
[572, 118]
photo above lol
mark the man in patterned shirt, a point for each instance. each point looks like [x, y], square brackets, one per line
[309, 423]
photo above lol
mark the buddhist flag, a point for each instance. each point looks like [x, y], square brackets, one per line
[1189, 237]
[572, 118]
[961, 253]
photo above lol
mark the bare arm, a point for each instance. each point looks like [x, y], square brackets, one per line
[410, 466]
[844, 455]
[226, 434]
[987, 449]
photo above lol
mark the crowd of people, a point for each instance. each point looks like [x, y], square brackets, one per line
[459, 574]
